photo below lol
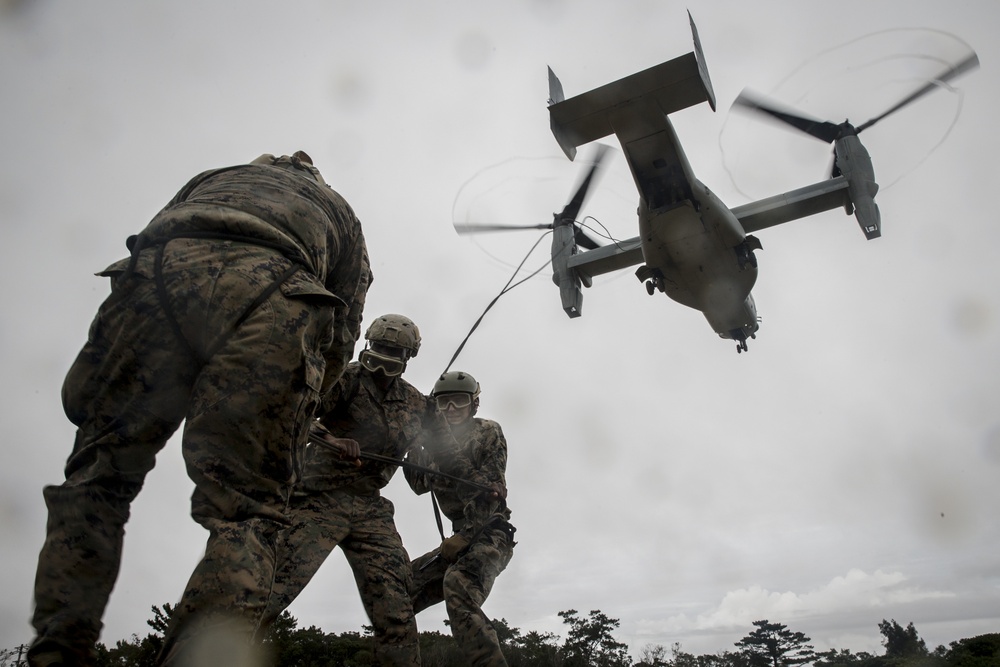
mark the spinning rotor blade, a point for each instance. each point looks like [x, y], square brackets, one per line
[471, 228]
[830, 132]
[584, 240]
[566, 217]
[572, 209]
[825, 131]
[970, 63]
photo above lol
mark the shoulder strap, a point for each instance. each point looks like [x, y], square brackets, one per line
[437, 511]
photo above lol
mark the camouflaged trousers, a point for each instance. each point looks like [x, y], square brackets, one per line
[464, 586]
[246, 395]
[363, 527]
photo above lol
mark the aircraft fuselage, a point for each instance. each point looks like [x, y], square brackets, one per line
[690, 251]
[695, 250]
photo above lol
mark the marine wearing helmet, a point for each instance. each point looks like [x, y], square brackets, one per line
[392, 340]
[457, 396]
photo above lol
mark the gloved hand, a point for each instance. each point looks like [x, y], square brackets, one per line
[452, 547]
[418, 456]
[348, 449]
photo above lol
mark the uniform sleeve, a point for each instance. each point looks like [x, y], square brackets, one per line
[349, 280]
[416, 479]
[490, 465]
[332, 399]
[487, 467]
[434, 435]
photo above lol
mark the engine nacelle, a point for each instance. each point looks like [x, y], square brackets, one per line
[564, 247]
[855, 164]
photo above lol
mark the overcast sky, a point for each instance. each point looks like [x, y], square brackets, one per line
[842, 471]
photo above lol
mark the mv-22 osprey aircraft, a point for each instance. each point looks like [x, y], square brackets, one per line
[691, 246]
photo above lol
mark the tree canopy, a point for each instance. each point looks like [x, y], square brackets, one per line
[774, 645]
[589, 642]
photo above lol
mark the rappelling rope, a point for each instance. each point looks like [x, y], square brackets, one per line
[506, 288]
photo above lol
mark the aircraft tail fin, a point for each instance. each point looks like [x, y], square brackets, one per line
[673, 85]
[555, 97]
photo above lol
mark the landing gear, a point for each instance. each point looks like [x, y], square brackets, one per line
[653, 284]
[741, 340]
[653, 279]
[744, 251]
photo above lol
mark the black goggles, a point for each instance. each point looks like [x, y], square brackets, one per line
[459, 400]
[374, 361]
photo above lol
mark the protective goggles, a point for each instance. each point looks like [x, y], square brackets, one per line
[383, 363]
[459, 400]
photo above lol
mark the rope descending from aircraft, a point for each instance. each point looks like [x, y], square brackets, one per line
[506, 288]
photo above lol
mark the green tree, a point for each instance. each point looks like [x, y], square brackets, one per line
[724, 659]
[534, 649]
[506, 634]
[440, 650]
[979, 651]
[136, 651]
[14, 657]
[590, 643]
[901, 642]
[655, 655]
[528, 650]
[774, 645]
[844, 658]
[161, 618]
[288, 645]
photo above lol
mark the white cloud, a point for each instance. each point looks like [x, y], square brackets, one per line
[854, 592]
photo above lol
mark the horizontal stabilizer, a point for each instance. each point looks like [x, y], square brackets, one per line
[673, 85]
[670, 86]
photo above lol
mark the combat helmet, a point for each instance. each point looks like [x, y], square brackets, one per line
[456, 388]
[392, 341]
[454, 382]
[395, 331]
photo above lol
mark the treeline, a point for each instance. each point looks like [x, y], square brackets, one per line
[589, 642]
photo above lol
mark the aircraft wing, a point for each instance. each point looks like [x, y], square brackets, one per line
[801, 203]
[606, 259]
[810, 200]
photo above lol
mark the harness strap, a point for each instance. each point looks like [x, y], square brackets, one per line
[161, 292]
[496, 522]
[437, 511]
[261, 298]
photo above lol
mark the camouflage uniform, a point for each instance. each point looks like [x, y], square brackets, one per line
[339, 504]
[241, 301]
[465, 584]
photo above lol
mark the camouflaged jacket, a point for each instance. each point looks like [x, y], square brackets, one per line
[388, 425]
[282, 202]
[480, 456]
